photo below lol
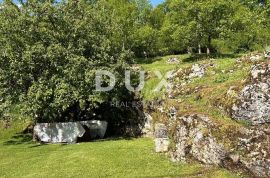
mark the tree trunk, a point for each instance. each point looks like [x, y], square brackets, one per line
[209, 45]
[189, 50]
[208, 50]
[200, 50]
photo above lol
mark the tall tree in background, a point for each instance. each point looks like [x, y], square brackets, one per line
[217, 25]
[249, 28]
[134, 19]
[198, 23]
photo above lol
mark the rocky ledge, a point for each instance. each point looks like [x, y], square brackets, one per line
[192, 137]
[244, 147]
[253, 102]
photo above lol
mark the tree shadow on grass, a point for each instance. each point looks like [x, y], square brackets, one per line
[26, 139]
[147, 60]
[20, 138]
[113, 139]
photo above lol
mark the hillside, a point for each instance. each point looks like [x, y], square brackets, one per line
[203, 95]
[216, 111]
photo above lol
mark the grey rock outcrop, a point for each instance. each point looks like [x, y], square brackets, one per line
[255, 58]
[254, 146]
[193, 137]
[197, 71]
[253, 103]
[232, 146]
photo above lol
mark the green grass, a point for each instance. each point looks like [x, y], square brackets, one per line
[158, 64]
[19, 157]
[120, 158]
[216, 81]
[225, 63]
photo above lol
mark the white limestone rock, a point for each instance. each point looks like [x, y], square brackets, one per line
[197, 71]
[69, 132]
[59, 132]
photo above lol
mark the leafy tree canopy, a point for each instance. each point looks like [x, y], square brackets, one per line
[49, 54]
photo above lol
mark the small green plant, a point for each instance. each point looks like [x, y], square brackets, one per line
[245, 123]
[221, 79]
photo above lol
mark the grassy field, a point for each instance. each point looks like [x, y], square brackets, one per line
[19, 157]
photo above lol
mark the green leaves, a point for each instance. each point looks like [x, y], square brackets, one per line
[48, 55]
[220, 25]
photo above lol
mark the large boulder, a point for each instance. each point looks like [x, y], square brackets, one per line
[253, 104]
[59, 132]
[193, 137]
[96, 129]
[69, 132]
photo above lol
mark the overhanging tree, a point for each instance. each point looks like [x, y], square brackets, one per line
[49, 53]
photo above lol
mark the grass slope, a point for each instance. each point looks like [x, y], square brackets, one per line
[213, 85]
[19, 157]
[223, 63]
[157, 64]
